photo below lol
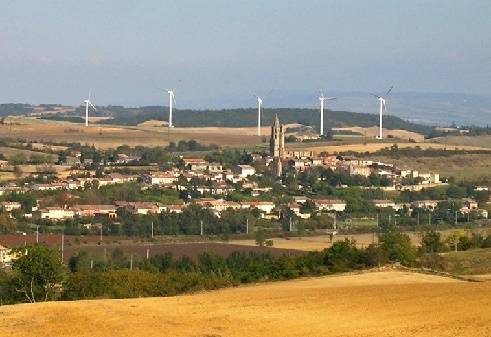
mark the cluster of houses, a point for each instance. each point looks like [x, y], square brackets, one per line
[303, 160]
[468, 205]
[214, 182]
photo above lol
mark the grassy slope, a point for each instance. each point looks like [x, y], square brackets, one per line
[471, 262]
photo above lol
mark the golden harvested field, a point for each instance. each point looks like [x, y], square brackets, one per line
[461, 166]
[9, 152]
[373, 131]
[373, 147]
[111, 136]
[319, 242]
[484, 141]
[371, 304]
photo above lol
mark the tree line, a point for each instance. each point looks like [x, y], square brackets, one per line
[39, 275]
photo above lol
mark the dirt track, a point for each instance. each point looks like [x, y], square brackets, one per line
[373, 304]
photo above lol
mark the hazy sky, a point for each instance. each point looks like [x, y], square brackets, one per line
[214, 52]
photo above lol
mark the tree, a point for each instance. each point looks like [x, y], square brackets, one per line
[7, 224]
[18, 172]
[342, 256]
[260, 237]
[62, 158]
[397, 247]
[17, 159]
[308, 207]
[38, 272]
[431, 242]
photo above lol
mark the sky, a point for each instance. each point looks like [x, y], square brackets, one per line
[220, 53]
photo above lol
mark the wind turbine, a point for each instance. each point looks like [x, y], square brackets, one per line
[382, 108]
[172, 100]
[259, 106]
[87, 103]
[322, 99]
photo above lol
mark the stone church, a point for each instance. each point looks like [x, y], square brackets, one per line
[277, 146]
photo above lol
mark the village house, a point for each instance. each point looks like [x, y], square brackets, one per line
[161, 178]
[214, 167]
[299, 164]
[266, 207]
[299, 154]
[174, 208]
[118, 178]
[9, 206]
[300, 199]
[7, 256]
[95, 210]
[141, 207]
[49, 187]
[295, 208]
[385, 204]
[216, 205]
[126, 159]
[330, 162]
[257, 191]
[425, 204]
[54, 213]
[337, 205]
[353, 169]
[10, 188]
[195, 164]
[243, 170]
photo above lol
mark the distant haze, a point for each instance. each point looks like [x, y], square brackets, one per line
[220, 53]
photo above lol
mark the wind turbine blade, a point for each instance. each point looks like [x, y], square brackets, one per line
[268, 93]
[388, 91]
[375, 95]
[330, 98]
[92, 105]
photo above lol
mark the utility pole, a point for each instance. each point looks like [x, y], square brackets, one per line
[418, 218]
[148, 253]
[429, 218]
[201, 228]
[62, 245]
[152, 229]
[37, 234]
[247, 225]
[131, 261]
[335, 224]
[100, 237]
[291, 225]
[455, 217]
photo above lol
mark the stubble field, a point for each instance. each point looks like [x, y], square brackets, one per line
[371, 304]
[111, 136]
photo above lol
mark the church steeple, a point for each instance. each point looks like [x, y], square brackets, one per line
[276, 121]
[277, 144]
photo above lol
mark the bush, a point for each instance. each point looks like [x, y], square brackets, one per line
[397, 248]
[342, 256]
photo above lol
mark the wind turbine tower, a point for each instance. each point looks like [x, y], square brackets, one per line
[87, 103]
[259, 106]
[382, 109]
[322, 99]
[172, 100]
